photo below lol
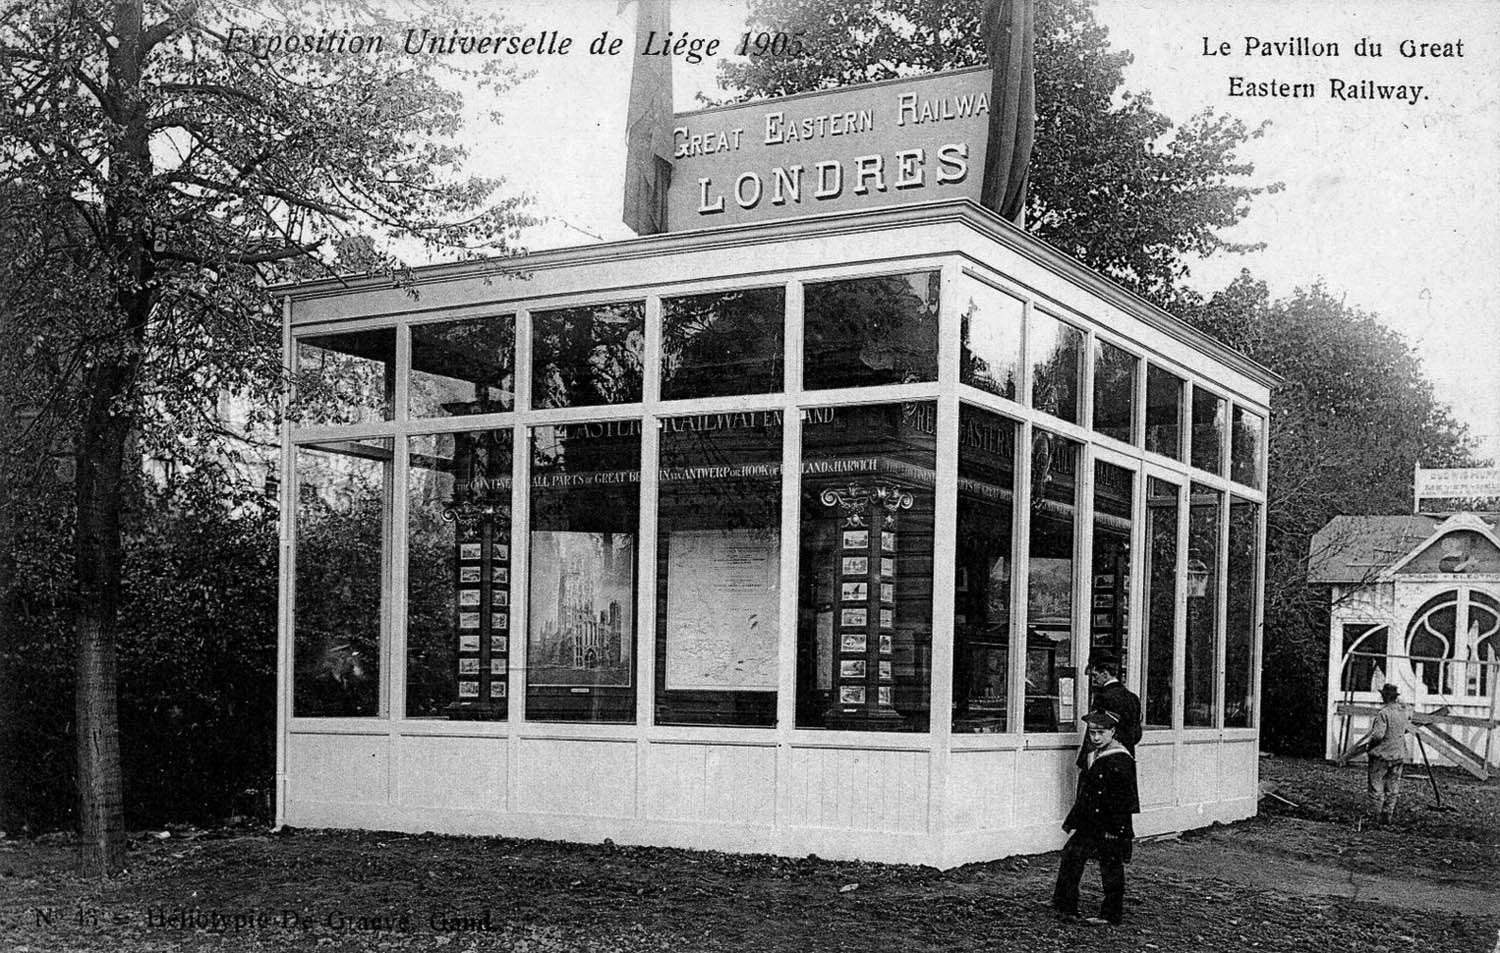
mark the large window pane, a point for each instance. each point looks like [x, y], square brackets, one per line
[585, 514]
[864, 606]
[724, 343]
[865, 331]
[463, 367]
[1239, 625]
[345, 378]
[587, 356]
[340, 540]
[1055, 354]
[1203, 581]
[1114, 391]
[718, 618]
[1209, 419]
[1245, 446]
[1163, 412]
[990, 324]
[458, 575]
[982, 599]
[1160, 601]
[1050, 670]
[1109, 609]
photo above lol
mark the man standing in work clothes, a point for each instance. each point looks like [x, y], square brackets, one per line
[1387, 741]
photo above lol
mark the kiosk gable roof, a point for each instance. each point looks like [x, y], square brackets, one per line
[1351, 549]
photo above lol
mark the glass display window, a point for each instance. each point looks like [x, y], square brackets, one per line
[983, 538]
[722, 344]
[587, 356]
[1160, 601]
[1164, 392]
[1051, 672]
[1115, 373]
[581, 595]
[1055, 352]
[463, 367]
[1247, 440]
[990, 326]
[1109, 599]
[338, 590]
[718, 569]
[1210, 419]
[864, 605]
[1203, 582]
[344, 378]
[860, 332]
[1239, 621]
[1367, 662]
[458, 575]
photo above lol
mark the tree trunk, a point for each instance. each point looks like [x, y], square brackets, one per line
[97, 550]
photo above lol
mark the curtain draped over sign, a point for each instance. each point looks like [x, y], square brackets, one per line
[1010, 31]
[648, 128]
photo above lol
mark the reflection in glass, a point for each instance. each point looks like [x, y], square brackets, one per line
[1203, 582]
[1209, 418]
[864, 606]
[463, 367]
[337, 589]
[1160, 601]
[1245, 448]
[865, 331]
[458, 575]
[990, 323]
[1055, 354]
[587, 356]
[1163, 412]
[1114, 391]
[718, 610]
[1109, 606]
[345, 378]
[585, 514]
[1050, 670]
[724, 343]
[1239, 624]
[982, 599]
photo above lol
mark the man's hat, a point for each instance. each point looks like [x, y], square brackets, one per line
[1102, 719]
[1100, 657]
[1389, 691]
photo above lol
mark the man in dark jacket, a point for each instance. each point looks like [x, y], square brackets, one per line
[1100, 822]
[1110, 694]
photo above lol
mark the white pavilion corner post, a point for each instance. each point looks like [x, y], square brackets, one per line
[1335, 675]
[286, 529]
[945, 517]
[791, 523]
[394, 663]
[645, 609]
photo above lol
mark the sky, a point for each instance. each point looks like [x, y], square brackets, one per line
[1394, 205]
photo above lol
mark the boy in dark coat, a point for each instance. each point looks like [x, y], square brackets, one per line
[1100, 822]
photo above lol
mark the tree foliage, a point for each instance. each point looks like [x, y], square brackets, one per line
[158, 167]
[1355, 415]
[1112, 183]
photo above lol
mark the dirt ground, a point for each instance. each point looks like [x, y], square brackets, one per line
[1303, 878]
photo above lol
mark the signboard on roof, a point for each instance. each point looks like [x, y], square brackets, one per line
[1458, 490]
[890, 143]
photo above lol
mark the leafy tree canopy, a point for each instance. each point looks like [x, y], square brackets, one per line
[1112, 183]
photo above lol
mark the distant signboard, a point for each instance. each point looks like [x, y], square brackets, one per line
[890, 143]
[1464, 489]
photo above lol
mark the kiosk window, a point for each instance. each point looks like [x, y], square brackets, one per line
[861, 332]
[991, 322]
[463, 367]
[340, 561]
[1109, 601]
[982, 591]
[585, 516]
[1209, 420]
[1050, 670]
[1163, 412]
[587, 356]
[1245, 443]
[345, 378]
[864, 605]
[1239, 625]
[718, 569]
[1203, 581]
[458, 575]
[1055, 354]
[715, 345]
[1160, 601]
[1114, 391]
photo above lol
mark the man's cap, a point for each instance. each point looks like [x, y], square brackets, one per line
[1100, 657]
[1102, 719]
[1389, 691]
